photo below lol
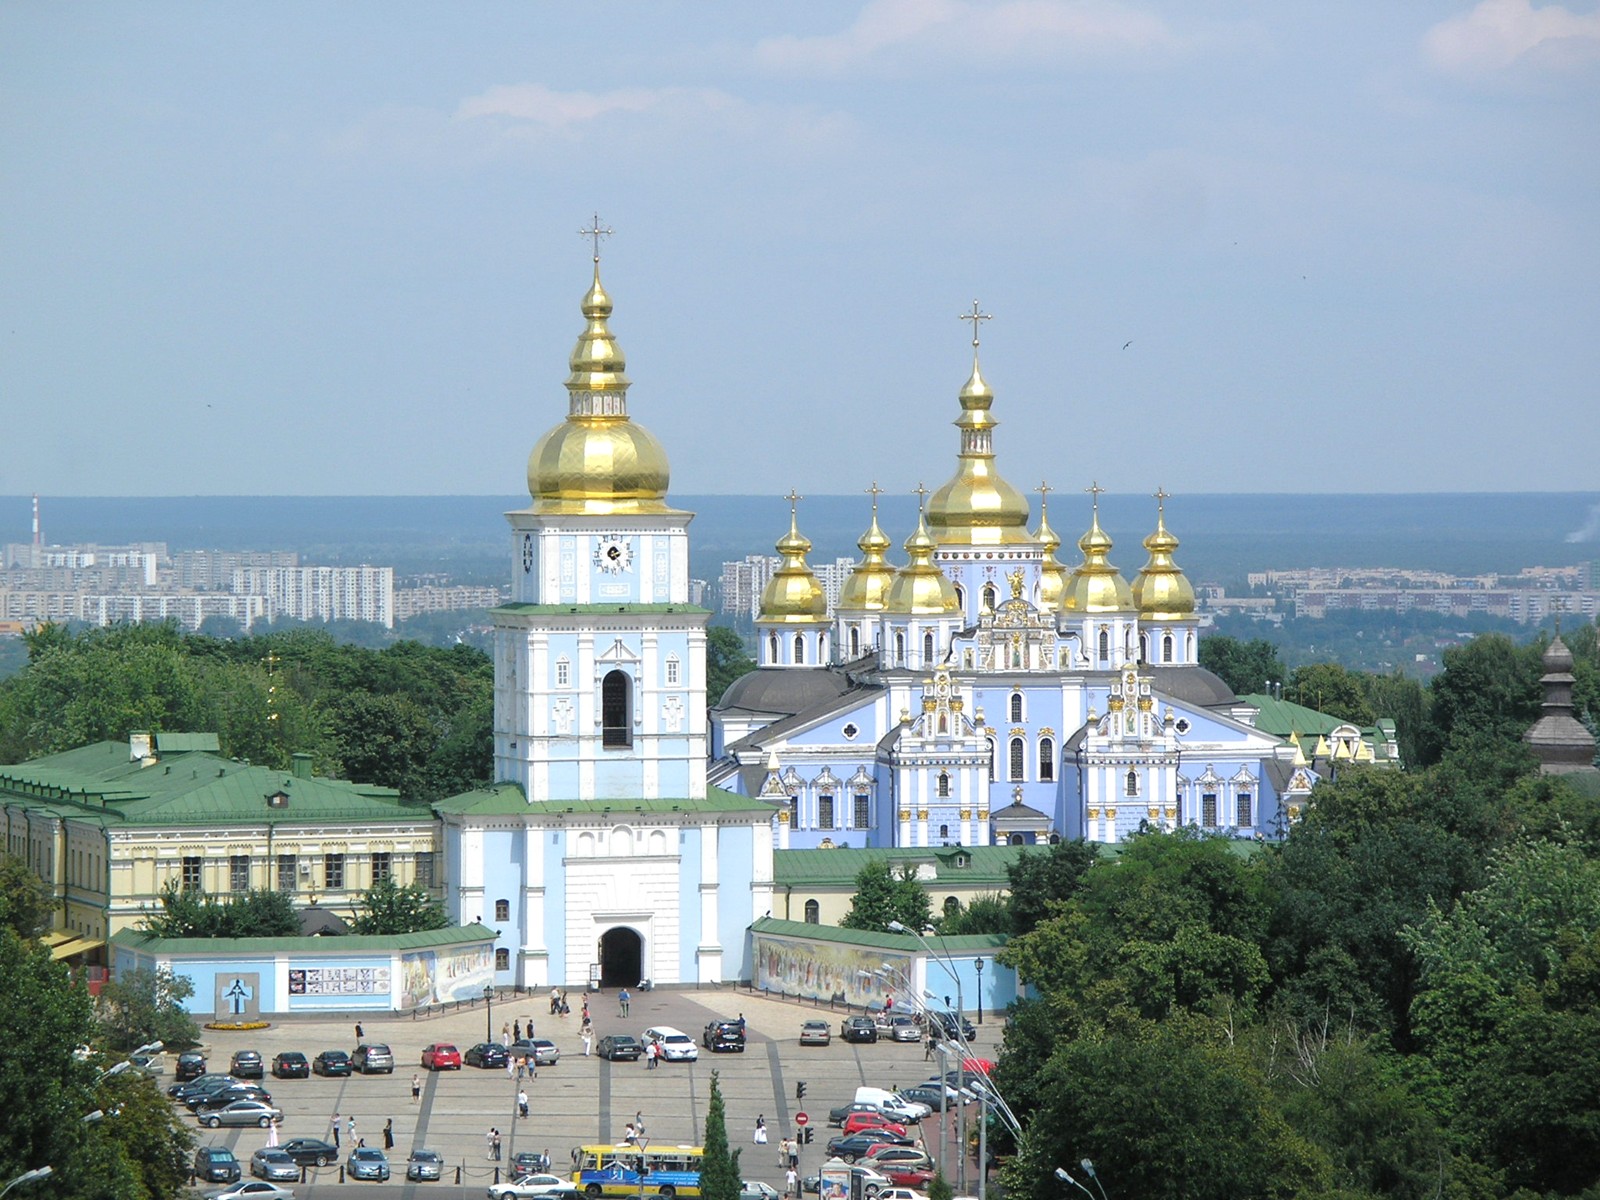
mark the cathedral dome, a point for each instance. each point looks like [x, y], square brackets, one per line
[920, 588]
[1161, 591]
[597, 460]
[977, 507]
[793, 595]
[1096, 586]
[867, 587]
[1052, 576]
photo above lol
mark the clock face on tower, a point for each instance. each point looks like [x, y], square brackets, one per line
[527, 553]
[613, 555]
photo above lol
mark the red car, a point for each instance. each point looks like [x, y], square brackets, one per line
[442, 1056]
[905, 1176]
[858, 1121]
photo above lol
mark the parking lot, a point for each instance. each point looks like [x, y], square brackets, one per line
[579, 1101]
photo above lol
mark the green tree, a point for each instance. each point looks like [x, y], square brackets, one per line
[939, 1187]
[260, 912]
[1404, 701]
[389, 908]
[146, 1006]
[726, 660]
[719, 1166]
[1042, 879]
[1329, 688]
[885, 894]
[1246, 667]
[982, 914]
[1488, 691]
[25, 905]
[384, 739]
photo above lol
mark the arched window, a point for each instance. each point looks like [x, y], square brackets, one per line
[989, 596]
[991, 759]
[799, 647]
[616, 710]
[1166, 647]
[772, 648]
[1144, 648]
[951, 906]
[502, 959]
[1130, 785]
[855, 642]
[961, 598]
[1105, 644]
[502, 910]
[899, 647]
[1016, 840]
[944, 833]
[563, 672]
[1047, 759]
[813, 913]
[944, 783]
[822, 647]
[927, 647]
[1017, 753]
[673, 670]
[1016, 708]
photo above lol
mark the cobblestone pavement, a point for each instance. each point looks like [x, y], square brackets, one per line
[578, 1101]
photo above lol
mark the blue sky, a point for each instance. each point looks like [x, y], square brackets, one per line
[1227, 247]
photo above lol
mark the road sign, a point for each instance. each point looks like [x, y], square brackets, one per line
[801, 1118]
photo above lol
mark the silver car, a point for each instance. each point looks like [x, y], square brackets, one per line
[424, 1164]
[241, 1112]
[251, 1189]
[270, 1163]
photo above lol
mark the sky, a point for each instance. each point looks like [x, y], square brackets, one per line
[333, 249]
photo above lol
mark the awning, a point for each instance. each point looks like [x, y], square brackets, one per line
[76, 947]
[57, 937]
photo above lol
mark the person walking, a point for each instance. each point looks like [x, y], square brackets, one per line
[761, 1130]
[522, 1102]
[791, 1183]
[388, 1134]
[350, 1127]
[794, 1156]
[516, 1030]
[333, 1131]
[783, 1153]
[588, 1040]
[630, 1135]
[623, 999]
[416, 1087]
[586, 1010]
[650, 1056]
[505, 1033]
[555, 1001]
[359, 1033]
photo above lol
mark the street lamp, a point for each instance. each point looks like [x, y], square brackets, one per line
[488, 1012]
[1061, 1174]
[33, 1176]
[1088, 1168]
[977, 965]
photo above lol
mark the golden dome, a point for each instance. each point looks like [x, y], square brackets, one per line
[597, 460]
[977, 507]
[1096, 586]
[920, 588]
[793, 595]
[1161, 591]
[1052, 576]
[867, 587]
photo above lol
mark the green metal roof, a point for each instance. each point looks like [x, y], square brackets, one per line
[903, 942]
[987, 865]
[508, 799]
[138, 939]
[595, 610]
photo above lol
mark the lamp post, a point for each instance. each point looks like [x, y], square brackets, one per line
[961, 1008]
[1063, 1175]
[32, 1176]
[488, 1012]
[977, 965]
[1088, 1168]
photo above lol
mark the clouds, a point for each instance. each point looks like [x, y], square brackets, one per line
[563, 111]
[890, 33]
[1499, 35]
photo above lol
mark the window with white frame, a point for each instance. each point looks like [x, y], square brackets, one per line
[862, 803]
[193, 872]
[1130, 783]
[239, 873]
[825, 810]
[563, 672]
[1047, 759]
[944, 784]
[1016, 707]
[1208, 809]
[674, 670]
[1244, 810]
[1018, 758]
[382, 866]
[333, 872]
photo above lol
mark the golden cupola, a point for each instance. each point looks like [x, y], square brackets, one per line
[920, 588]
[866, 589]
[977, 507]
[1096, 586]
[793, 596]
[597, 460]
[1161, 591]
[1052, 575]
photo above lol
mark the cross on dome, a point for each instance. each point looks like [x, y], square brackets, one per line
[595, 232]
[977, 314]
[793, 498]
[1162, 496]
[874, 491]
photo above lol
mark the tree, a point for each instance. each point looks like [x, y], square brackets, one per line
[939, 1187]
[982, 914]
[260, 912]
[389, 908]
[1246, 667]
[1042, 879]
[719, 1166]
[384, 739]
[884, 894]
[1488, 690]
[24, 900]
[726, 660]
[1329, 688]
[147, 1006]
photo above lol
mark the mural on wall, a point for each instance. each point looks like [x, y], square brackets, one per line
[238, 995]
[822, 971]
[437, 976]
[338, 981]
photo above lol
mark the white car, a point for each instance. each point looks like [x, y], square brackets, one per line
[529, 1185]
[674, 1044]
[251, 1189]
[754, 1189]
[901, 1193]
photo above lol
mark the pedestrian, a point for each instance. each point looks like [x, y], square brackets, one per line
[522, 1102]
[333, 1131]
[650, 1056]
[494, 1146]
[359, 1033]
[624, 999]
[505, 1033]
[416, 1086]
[794, 1156]
[932, 1045]
[516, 1030]
[511, 1066]
[783, 1153]
[272, 1134]
[586, 1010]
[791, 1183]
[519, 1071]
[565, 1007]
[588, 1040]
[629, 1134]
[544, 1160]
[761, 1130]
[350, 1127]
[388, 1134]
[638, 1122]
[741, 1024]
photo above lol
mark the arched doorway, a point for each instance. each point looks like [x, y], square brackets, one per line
[621, 957]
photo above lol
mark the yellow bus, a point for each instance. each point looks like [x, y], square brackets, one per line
[627, 1170]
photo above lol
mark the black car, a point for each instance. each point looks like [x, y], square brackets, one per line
[311, 1152]
[858, 1029]
[949, 1024]
[332, 1062]
[222, 1097]
[202, 1083]
[929, 1094]
[246, 1064]
[616, 1046]
[488, 1055]
[190, 1065]
[859, 1146]
[720, 1036]
[216, 1164]
[291, 1064]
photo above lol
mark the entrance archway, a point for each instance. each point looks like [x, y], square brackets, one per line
[621, 957]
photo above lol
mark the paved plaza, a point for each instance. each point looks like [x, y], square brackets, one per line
[580, 1100]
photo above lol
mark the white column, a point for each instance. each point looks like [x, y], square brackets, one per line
[534, 967]
[708, 956]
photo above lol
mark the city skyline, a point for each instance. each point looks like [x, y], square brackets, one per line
[1225, 250]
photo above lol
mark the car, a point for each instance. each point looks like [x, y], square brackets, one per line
[724, 1037]
[950, 1025]
[290, 1064]
[373, 1058]
[858, 1029]
[857, 1121]
[815, 1033]
[858, 1145]
[904, 1029]
[367, 1162]
[216, 1164]
[542, 1051]
[488, 1055]
[246, 1064]
[241, 1112]
[900, 1193]
[880, 1156]
[871, 1181]
[906, 1175]
[311, 1152]
[251, 1189]
[837, 1116]
[205, 1101]
[441, 1056]
[190, 1065]
[271, 1163]
[754, 1189]
[528, 1162]
[537, 1184]
[616, 1046]
[674, 1045]
[931, 1093]
[424, 1164]
[205, 1083]
[331, 1062]
[150, 1064]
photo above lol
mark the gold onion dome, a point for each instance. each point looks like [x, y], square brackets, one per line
[920, 588]
[793, 595]
[1096, 586]
[1052, 575]
[597, 460]
[977, 507]
[1161, 591]
[866, 589]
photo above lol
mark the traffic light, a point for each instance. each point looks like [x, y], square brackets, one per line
[807, 1134]
[800, 1090]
